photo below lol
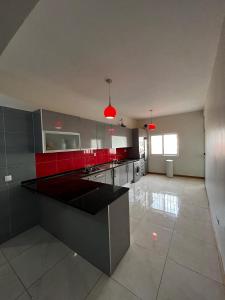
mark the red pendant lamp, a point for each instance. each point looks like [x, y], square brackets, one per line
[151, 125]
[109, 111]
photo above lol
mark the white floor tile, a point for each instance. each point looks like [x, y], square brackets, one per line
[179, 283]
[108, 289]
[134, 223]
[140, 271]
[197, 255]
[194, 213]
[71, 279]
[196, 228]
[34, 262]
[153, 237]
[161, 218]
[10, 286]
[23, 241]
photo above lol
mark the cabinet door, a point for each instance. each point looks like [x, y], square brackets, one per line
[53, 121]
[116, 176]
[88, 134]
[109, 176]
[119, 137]
[108, 136]
[122, 175]
[130, 172]
[129, 137]
[100, 135]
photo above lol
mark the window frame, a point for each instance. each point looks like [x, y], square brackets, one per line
[162, 134]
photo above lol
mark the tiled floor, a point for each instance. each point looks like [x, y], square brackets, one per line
[173, 254]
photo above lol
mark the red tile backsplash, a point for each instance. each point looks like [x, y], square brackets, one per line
[53, 163]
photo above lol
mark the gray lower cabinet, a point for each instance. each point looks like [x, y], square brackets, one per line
[130, 172]
[103, 177]
[101, 239]
[116, 176]
[120, 175]
[109, 176]
[99, 177]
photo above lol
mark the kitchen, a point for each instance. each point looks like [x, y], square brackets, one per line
[111, 150]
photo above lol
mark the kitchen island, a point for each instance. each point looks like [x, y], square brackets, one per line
[91, 218]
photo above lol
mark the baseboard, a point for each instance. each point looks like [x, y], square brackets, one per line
[177, 175]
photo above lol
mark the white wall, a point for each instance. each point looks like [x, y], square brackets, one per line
[190, 130]
[215, 145]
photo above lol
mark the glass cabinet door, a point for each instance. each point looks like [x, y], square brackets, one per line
[61, 141]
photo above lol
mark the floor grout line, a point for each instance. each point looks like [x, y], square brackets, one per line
[194, 271]
[99, 278]
[17, 276]
[50, 269]
[132, 292]
[165, 261]
[22, 252]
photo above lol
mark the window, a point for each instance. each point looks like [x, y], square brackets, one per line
[166, 144]
[156, 144]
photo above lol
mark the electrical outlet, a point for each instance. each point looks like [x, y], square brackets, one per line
[8, 178]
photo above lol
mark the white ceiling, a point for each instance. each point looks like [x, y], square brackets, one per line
[159, 54]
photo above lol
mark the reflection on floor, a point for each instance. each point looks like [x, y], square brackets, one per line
[173, 254]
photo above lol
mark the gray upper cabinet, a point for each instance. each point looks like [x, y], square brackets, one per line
[56, 132]
[121, 137]
[53, 121]
[88, 134]
[129, 137]
[104, 138]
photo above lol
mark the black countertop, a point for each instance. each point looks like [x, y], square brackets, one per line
[71, 189]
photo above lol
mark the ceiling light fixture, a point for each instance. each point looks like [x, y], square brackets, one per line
[151, 125]
[109, 111]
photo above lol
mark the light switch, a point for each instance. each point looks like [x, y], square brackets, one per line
[8, 178]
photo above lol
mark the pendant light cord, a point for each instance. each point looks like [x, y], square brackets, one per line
[109, 81]
[109, 95]
[150, 115]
